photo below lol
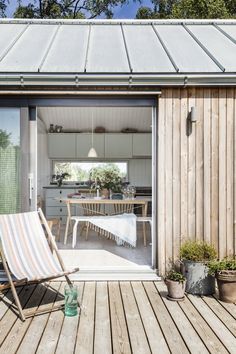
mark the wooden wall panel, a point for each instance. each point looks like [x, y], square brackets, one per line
[196, 170]
[176, 171]
[199, 165]
[222, 173]
[214, 221]
[229, 170]
[169, 170]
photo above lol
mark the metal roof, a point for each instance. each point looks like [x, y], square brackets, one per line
[111, 47]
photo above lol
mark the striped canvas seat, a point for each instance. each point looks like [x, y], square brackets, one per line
[26, 248]
[26, 255]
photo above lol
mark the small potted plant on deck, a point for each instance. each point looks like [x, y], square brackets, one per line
[195, 257]
[225, 273]
[176, 284]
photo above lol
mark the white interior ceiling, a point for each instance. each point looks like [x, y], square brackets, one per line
[113, 119]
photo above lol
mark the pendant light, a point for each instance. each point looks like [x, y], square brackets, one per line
[92, 152]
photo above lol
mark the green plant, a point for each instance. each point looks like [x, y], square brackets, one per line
[59, 177]
[175, 276]
[106, 177]
[216, 266]
[197, 251]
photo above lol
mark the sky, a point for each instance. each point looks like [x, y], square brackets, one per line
[127, 11]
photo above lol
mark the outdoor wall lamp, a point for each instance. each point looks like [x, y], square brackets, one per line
[193, 115]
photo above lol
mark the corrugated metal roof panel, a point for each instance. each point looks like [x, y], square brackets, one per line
[229, 29]
[187, 54]
[145, 50]
[68, 51]
[9, 33]
[112, 47]
[217, 44]
[28, 52]
[106, 51]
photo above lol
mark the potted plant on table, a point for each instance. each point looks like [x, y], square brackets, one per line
[107, 178]
[176, 284]
[195, 257]
[225, 273]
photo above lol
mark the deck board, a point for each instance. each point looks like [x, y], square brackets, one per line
[118, 317]
[36, 329]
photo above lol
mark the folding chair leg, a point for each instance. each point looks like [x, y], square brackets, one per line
[13, 289]
[87, 228]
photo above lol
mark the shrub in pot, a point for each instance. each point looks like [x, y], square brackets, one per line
[176, 283]
[225, 273]
[195, 257]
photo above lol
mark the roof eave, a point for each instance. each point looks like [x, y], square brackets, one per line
[111, 80]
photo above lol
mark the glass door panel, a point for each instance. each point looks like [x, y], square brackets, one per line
[10, 160]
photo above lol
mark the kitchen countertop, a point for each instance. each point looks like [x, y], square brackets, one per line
[66, 186]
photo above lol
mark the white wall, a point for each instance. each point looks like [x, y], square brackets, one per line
[140, 172]
[43, 160]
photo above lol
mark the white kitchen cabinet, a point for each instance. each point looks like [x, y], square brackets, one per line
[84, 143]
[62, 145]
[118, 145]
[54, 206]
[142, 145]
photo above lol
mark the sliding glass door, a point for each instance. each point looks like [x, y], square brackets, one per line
[14, 160]
[10, 160]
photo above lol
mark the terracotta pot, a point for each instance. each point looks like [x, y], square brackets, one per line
[175, 289]
[226, 281]
[106, 193]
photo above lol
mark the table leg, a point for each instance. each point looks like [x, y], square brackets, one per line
[74, 233]
[67, 222]
[144, 213]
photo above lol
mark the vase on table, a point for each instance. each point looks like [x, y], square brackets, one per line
[106, 193]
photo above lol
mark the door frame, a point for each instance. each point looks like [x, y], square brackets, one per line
[29, 106]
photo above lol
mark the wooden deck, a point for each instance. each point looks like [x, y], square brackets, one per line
[124, 317]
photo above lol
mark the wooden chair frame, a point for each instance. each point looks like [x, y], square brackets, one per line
[12, 284]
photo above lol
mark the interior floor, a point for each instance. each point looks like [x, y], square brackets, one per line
[98, 251]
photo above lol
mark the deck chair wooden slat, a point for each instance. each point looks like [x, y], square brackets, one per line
[27, 254]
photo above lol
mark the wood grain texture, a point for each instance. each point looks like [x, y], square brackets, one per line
[199, 164]
[215, 168]
[169, 174]
[138, 339]
[125, 317]
[85, 335]
[191, 168]
[196, 171]
[176, 172]
[102, 338]
[120, 337]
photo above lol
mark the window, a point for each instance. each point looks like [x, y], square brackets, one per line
[9, 160]
[80, 171]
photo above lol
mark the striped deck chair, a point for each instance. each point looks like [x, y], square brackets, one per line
[27, 255]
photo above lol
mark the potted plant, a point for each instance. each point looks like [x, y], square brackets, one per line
[59, 177]
[195, 257]
[107, 178]
[176, 284]
[225, 273]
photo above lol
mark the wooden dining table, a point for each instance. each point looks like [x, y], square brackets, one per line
[140, 201]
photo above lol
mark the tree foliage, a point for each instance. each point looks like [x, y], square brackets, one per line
[3, 7]
[73, 9]
[196, 9]
[4, 139]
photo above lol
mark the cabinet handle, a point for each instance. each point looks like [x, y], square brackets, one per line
[60, 192]
[60, 200]
[61, 209]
